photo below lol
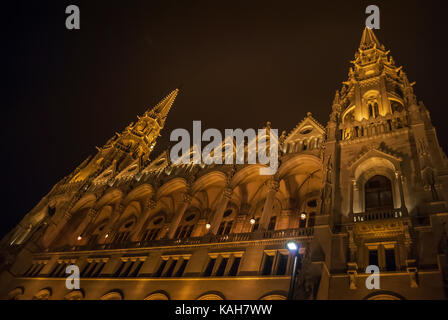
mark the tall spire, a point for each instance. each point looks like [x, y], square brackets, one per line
[135, 142]
[376, 87]
[161, 110]
[369, 40]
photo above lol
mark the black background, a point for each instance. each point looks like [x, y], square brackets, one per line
[240, 64]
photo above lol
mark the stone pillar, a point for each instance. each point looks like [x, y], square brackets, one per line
[399, 178]
[240, 220]
[91, 215]
[273, 186]
[199, 229]
[285, 218]
[357, 205]
[178, 216]
[352, 187]
[222, 206]
[147, 210]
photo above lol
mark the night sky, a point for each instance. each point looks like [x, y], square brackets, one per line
[240, 64]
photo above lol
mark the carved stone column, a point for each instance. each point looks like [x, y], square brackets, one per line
[399, 178]
[199, 228]
[147, 210]
[222, 206]
[356, 203]
[352, 192]
[285, 218]
[178, 216]
[273, 186]
[239, 224]
[353, 248]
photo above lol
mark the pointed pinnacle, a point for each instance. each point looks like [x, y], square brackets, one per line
[369, 40]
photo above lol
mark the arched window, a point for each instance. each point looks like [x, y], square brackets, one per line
[187, 224]
[370, 110]
[124, 231]
[154, 228]
[227, 222]
[376, 110]
[307, 214]
[378, 192]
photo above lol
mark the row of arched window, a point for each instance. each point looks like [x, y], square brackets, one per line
[153, 229]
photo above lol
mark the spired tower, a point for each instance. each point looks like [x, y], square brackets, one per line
[131, 147]
[386, 174]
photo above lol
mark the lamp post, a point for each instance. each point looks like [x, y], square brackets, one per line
[293, 248]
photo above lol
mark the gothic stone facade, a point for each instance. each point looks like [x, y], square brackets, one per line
[369, 188]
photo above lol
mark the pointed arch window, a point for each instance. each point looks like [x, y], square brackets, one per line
[189, 220]
[124, 232]
[226, 224]
[378, 193]
[154, 228]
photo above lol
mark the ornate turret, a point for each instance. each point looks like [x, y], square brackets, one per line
[135, 142]
[376, 93]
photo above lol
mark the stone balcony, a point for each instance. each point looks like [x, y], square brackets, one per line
[379, 214]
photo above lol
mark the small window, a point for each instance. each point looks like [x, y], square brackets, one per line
[137, 269]
[182, 267]
[272, 222]
[256, 225]
[235, 265]
[373, 257]
[160, 269]
[208, 271]
[130, 223]
[312, 203]
[228, 227]
[227, 213]
[190, 217]
[157, 221]
[390, 259]
[222, 267]
[282, 264]
[306, 130]
[170, 270]
[267, 265]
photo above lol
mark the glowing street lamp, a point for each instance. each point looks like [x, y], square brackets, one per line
[79, 238]
[294, 248]
[252, 221]
[208, 226]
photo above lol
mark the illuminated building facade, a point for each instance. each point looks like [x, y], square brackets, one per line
[370, 188]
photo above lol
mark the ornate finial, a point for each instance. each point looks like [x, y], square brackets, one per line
[309, 114]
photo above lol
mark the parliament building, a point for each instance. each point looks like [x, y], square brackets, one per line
[369, 188]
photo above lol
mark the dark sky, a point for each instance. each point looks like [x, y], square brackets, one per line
[240, 64]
